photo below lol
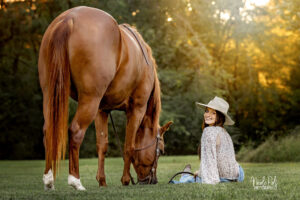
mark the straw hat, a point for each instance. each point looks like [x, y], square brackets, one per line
[221, 105]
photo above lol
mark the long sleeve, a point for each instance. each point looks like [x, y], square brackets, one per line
[209, 167]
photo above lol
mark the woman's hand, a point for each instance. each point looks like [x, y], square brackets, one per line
[196, 173]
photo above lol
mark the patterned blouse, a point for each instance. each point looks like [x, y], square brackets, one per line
[217, 156]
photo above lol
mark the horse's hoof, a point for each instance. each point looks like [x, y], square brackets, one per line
[125, 180]
[102, 184]
[49, 187]
[75, 183]
[48, 180]
[101, 181]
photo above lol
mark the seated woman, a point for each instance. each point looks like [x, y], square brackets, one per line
[218, 162]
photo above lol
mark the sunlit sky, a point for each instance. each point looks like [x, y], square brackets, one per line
[249, 5]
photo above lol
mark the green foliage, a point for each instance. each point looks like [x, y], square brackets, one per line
[283, 149]
[31, 171]
[20, 95]
[251, 58]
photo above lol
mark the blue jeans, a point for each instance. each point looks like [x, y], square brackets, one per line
[186, 178]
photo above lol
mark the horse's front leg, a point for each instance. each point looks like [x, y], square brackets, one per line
[102, 143]
[134, 119]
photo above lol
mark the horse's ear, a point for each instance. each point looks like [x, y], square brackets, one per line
[165, 127]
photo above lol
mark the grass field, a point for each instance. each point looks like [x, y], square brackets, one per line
[23, 180]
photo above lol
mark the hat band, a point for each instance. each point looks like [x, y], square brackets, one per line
[220, 109]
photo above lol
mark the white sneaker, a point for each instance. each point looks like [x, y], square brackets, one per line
[75, 183]
[48, 180]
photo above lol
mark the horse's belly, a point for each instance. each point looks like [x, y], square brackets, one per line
[118, 94]
[114, 101]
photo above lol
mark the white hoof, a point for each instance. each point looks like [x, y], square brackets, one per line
[49, 187]
[48, 180]
[75, 183]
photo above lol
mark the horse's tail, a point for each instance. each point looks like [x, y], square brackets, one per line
[58, 83]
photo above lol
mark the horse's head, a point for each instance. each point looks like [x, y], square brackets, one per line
[149, 146]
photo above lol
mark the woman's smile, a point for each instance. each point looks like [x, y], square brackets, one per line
[210, 116]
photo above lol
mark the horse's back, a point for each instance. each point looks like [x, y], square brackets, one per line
[118, 63]
[93, 49]
[105, 60]
[92, 46]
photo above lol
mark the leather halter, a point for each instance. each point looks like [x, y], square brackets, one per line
[148, 179]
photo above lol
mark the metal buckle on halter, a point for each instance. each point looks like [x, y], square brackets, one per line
[157, 151]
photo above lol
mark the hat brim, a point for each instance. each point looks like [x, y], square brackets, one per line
[228, 120]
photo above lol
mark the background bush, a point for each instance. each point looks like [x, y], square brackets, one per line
[283, 149]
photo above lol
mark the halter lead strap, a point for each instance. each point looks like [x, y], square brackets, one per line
[119, 143]
[148, 178]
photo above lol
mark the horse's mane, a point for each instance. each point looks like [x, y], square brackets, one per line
[154, 102]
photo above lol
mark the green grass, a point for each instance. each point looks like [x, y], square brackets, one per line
[23, 180]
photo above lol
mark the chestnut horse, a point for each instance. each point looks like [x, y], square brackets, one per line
[104, 66]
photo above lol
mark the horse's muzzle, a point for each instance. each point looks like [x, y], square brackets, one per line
[148, 180]
[154, 181]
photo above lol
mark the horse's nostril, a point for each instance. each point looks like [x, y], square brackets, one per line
[154, 181]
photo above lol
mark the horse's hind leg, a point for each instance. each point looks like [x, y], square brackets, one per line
[102, 143]
[48, 178]
[85, 114]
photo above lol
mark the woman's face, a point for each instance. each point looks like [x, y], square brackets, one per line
[210, 116]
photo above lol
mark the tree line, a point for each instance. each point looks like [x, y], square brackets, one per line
[249, 56]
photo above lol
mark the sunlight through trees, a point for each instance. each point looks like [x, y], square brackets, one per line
[246, 51]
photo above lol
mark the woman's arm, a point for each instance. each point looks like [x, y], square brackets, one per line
[199, 151]
[209, 167]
